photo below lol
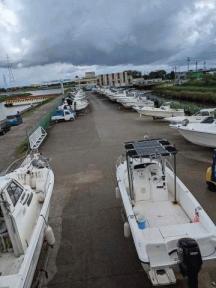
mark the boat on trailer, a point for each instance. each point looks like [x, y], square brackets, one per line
[77, 102]
[203, 133]
[169, 227]
[162, 112]
[24, 209]
[195, 118]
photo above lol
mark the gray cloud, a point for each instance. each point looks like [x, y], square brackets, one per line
[100, 32]
[106, 33]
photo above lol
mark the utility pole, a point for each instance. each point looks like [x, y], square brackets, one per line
[175, 74]
[204, 65]
[196, 63]
[62, 88]
[188, 63]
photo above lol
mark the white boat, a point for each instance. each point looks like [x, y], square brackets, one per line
[25, 202]
[203, 133]
[142, 104]
[76, 101]
[79, 104]
[139, 104]
[117, 95]
[196, 118]
[168, 225]
[163, 112]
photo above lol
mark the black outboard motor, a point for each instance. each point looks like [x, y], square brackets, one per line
[190, 260]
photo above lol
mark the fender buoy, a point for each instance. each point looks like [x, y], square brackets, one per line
[41, 197]
[117, 192]
[127, 231]
[49, 236]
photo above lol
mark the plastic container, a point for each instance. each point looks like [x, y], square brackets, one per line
[141, 221]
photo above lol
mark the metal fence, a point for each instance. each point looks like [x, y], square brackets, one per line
[46, 119]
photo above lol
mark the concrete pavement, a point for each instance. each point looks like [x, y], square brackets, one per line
[91, 250]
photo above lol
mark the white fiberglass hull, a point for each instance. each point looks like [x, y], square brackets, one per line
[139, 108]
[81, 105]
[201, 138]
[180, 119]
[160, 113]
[154, 243]
[24, 278]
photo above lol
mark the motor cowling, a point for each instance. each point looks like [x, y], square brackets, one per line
[190, 260]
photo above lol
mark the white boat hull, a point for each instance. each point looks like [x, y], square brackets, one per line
[81, 105]
[198, 137]
[158, 113]
[160, 236]
[24, 278]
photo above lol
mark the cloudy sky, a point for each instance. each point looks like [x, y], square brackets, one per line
[57, 39]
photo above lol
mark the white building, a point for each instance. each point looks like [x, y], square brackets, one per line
[90, 79]
[120, 79]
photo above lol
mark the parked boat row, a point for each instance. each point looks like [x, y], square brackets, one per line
[74, 102]
[26, 193]
[169, 227]
[199, 128]
[129, 98]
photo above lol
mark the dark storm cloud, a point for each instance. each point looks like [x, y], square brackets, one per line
[110, 32]
[48, 39]
[100, 32]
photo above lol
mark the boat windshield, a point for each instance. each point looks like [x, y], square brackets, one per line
[208, 120]
[202, 113]
[14, 191]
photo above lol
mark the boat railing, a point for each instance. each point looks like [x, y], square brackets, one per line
[14, 165]
[169, 165]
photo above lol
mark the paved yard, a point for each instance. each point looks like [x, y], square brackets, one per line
[91, 251]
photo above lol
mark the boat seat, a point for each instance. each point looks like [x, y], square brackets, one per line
[141, 185]
[158, 248]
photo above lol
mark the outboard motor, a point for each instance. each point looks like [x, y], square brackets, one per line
[190, 260]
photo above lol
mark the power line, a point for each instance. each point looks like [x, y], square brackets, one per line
[10, 71]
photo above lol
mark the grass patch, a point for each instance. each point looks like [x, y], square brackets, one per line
[205, 95]
[22, 147]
